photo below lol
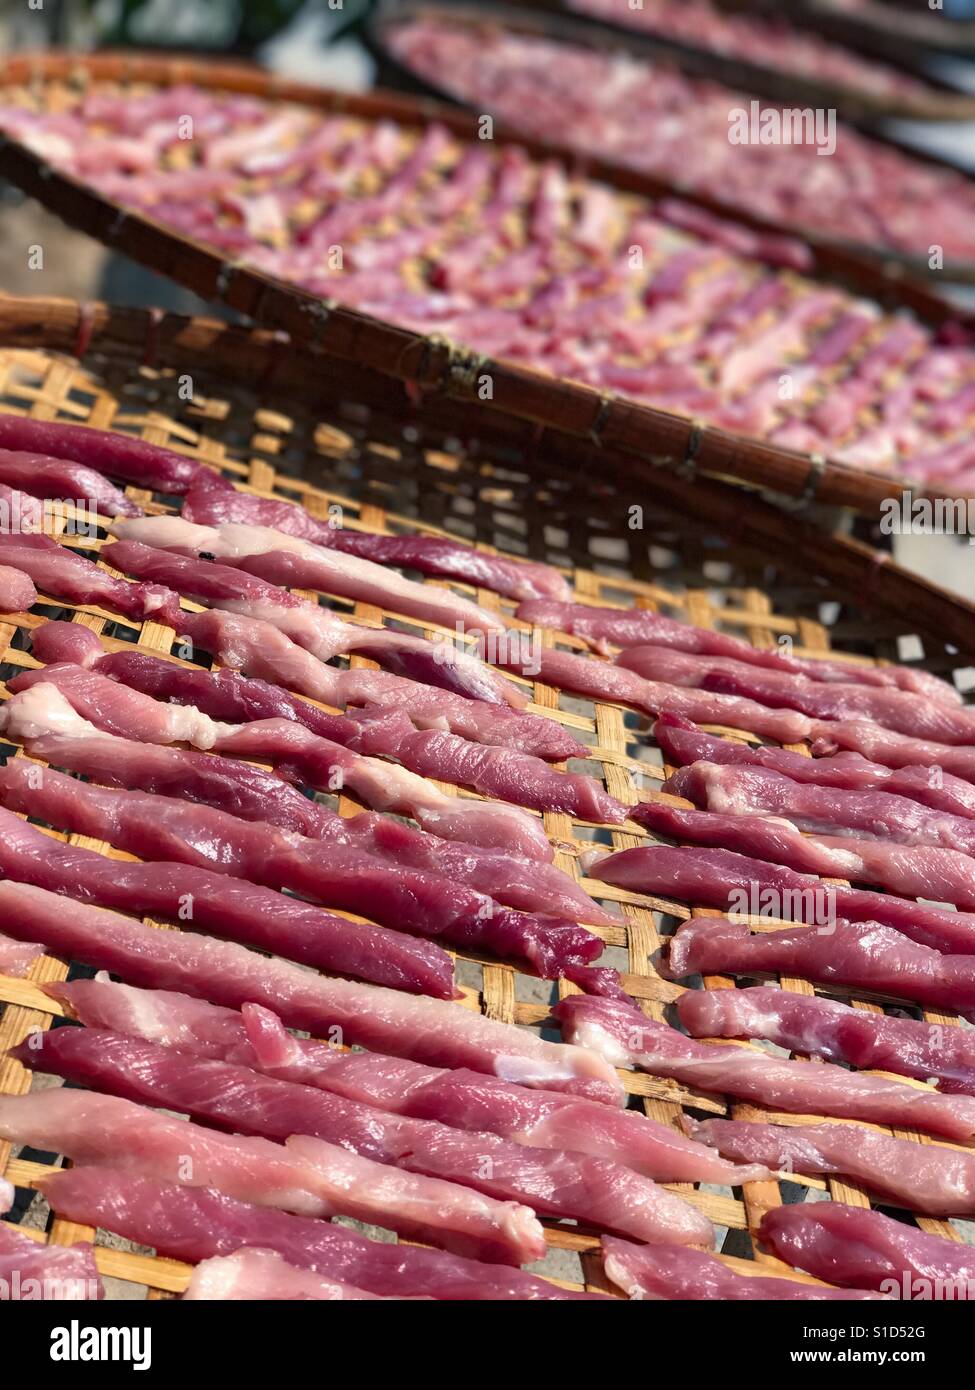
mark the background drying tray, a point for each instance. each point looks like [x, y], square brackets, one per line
[560, 19]
[565, 26]
[390, 474]
[429, 363]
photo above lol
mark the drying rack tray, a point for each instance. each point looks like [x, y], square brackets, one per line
[563, 21]
[390, 476]
[429, 363]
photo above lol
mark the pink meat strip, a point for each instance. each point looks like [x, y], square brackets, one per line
[856, 955]
[120, 455]
[940, 875]
[17, 957]
[625, 1036]
[898, 710]
[385, 1020]
[17, 589]
[66, 481]
[827, 1028]
[722, 879]
[194, 1223]
[230, 907]
[674, 1273]
[300, 564]
[462, 1099]
[31, 1270]
[857, 1247]
[739, 789]
[635, 627]
[552, 1182]
[682, 742]
[921, 1177]
[305, 1176]
[212, 500]
[263, 1276]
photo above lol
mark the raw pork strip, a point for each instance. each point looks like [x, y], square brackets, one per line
[49, 728]
[31, 1270]
[259, 649]
[922, 1177]
[305, 759]
[262, 1275]
[317, 629]
[683, 743]
[17, 957]
[225, 695]
[890, 749]
[61, 574]
[21, 513]
[502, 772]
[606, 681]
[626, 1037]
[17, 592]
[191, 1223]
[324, 1182]
[463, 1099]
[824, 810]
[298, 756]
[827, 1028]
[669, 1273]
[507, 774]
[60, 641]
[898, 710]
[235, 1098]
[914, 871]
[146, 465]
[735, 883]
[300, 564]
[230, 907]
[854, 1246]
[40, 715]
[110, 707]
[857, 955]
[635, 627]
[67, 482]
[384, 1020]
[213, 500]
[163, 828]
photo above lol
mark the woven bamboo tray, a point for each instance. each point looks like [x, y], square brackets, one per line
[559, 19]
[429, 364]
[390, 474]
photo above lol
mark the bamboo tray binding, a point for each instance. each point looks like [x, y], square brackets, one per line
[427, 363]
[262, 441]
[560, 19]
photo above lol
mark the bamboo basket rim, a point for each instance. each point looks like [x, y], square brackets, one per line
[894, 26]
[57, 389]
[429, 362]
[561, 21]
[257, 358]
